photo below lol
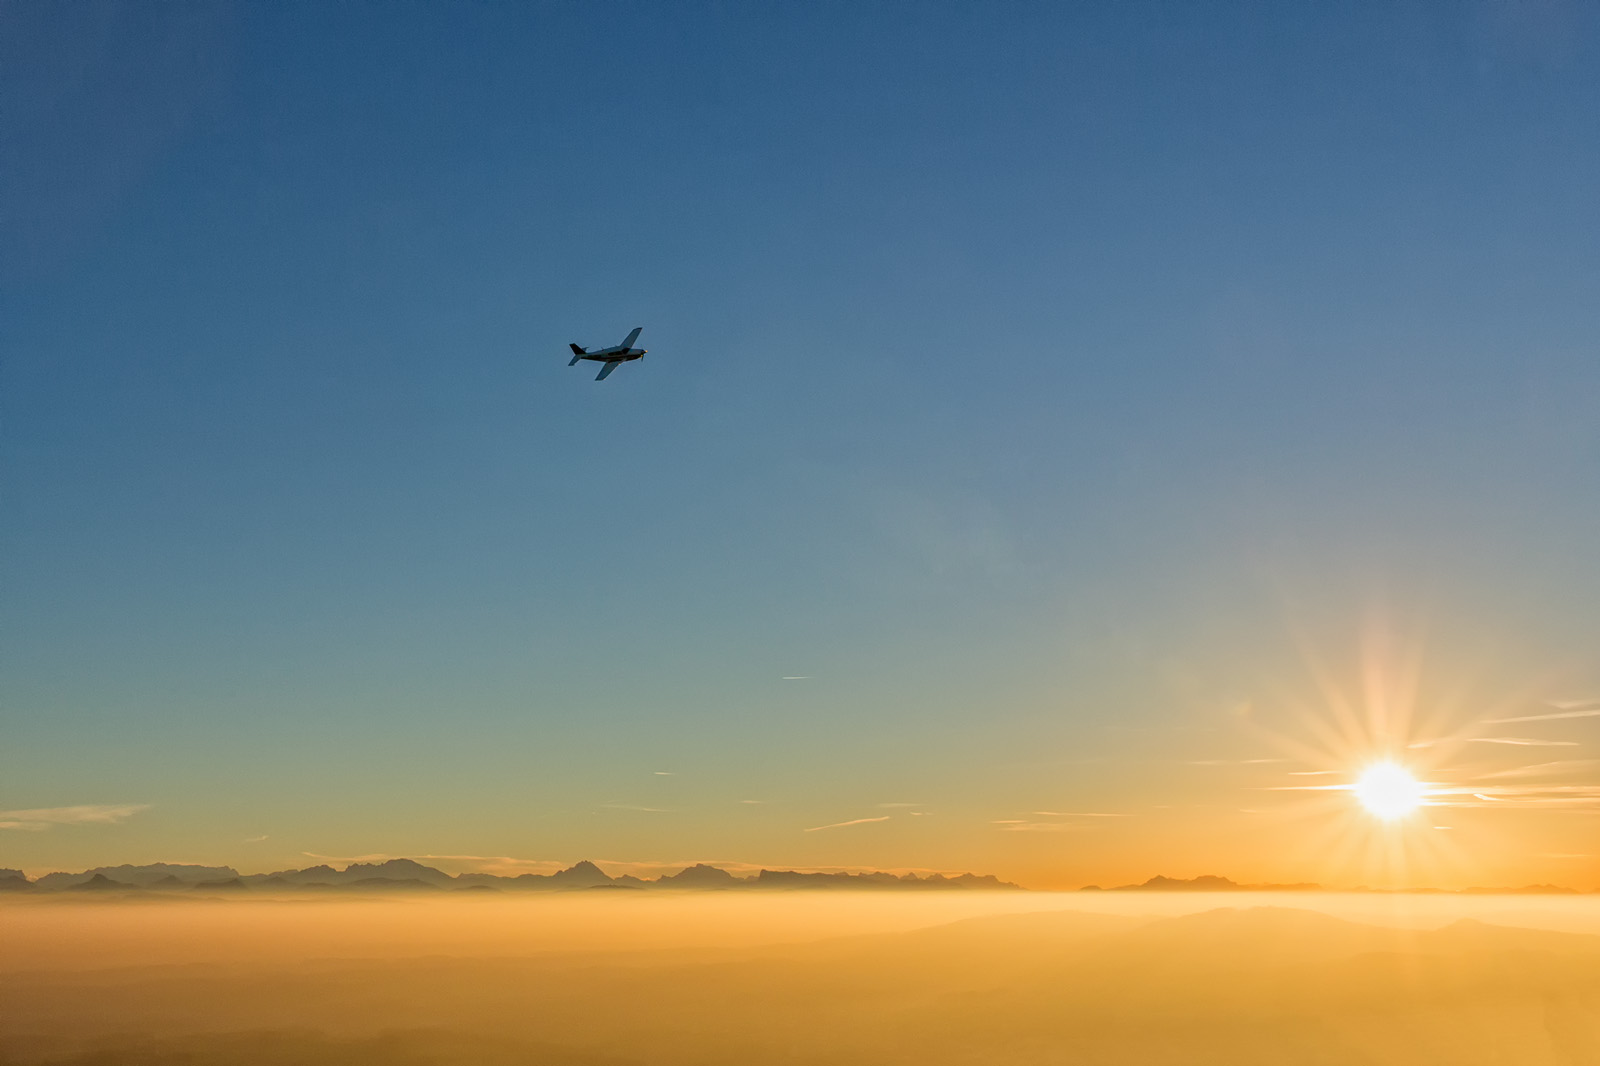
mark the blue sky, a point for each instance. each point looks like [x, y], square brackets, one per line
[1019, 375]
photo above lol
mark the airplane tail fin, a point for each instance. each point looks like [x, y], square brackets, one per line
[577, 353]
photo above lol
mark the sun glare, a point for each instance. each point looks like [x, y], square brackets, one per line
[1389, 791]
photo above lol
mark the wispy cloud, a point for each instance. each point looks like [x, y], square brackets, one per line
[1524, 742]
[1539, 769]
[635, 807]
[1028, 825]
[255, 840]
[796, 677]
[1529, 797]
[377, 856]
[1592, 712]
[753, 803]
[888, 805]
[664, 773]
[853, 821]
[1231, 762]
[1019, 825]
[38, 819]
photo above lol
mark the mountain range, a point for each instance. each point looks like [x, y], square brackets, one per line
[410, 875]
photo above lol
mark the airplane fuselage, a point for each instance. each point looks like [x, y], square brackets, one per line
[615, 355]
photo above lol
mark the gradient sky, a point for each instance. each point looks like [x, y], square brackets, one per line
[1080, 402]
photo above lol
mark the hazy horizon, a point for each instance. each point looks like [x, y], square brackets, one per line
[456, 866]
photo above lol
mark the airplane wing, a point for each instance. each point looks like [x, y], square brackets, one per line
[608, 368]
[631, 337]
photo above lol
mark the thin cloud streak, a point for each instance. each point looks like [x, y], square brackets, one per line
[1018, 825]
[38, 819]
[1231, 762]
[841, 825]
[1560, 766]
[1532, 797]
[1525, 742]
[1593, 712]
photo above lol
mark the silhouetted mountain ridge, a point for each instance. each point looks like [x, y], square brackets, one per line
[409, 874]
[140, 875]
[397, 874]
[1204, 883]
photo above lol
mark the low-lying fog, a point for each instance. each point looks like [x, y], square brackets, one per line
[881, 978]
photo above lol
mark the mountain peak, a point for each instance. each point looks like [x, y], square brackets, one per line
[583, 874]
[700, 875]
[395, 870]
[1206, 883]
[99, 883]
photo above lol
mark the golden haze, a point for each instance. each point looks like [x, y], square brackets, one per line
[842, 978]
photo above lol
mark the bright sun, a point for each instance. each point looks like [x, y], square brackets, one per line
[1388, 791]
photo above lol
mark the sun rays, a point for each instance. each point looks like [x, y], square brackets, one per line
[1388, 750]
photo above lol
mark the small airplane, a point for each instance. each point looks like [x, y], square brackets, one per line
[611, 357]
